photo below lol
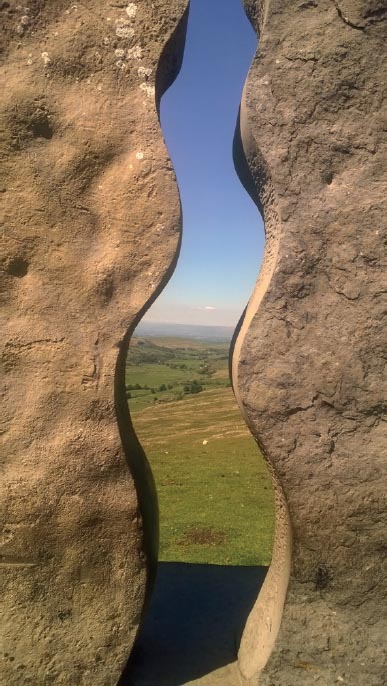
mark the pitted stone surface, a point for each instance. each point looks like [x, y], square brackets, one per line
[309, 362]
[91, 231]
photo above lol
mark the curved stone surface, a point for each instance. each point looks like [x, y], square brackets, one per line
[92, 229]
[308, 362]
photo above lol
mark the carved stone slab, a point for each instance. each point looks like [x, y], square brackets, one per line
[91, 231]
[309, 361]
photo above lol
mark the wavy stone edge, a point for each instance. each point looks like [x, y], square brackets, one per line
[306, 362]
[89, 241]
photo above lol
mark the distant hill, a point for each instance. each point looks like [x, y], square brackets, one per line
[201, 333]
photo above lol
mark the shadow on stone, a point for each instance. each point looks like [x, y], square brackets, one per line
[194, 622]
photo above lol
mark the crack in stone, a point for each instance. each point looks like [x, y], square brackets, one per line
[345, 19]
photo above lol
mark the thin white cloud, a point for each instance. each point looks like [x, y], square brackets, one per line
[206, 308]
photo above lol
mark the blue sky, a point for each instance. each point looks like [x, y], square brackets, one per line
[222, 230]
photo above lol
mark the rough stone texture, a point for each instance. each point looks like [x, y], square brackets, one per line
[308, 364]
[91, 231]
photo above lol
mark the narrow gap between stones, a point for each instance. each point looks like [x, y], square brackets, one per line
[214, 491]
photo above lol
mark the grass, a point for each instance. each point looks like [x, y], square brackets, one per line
[215, 495]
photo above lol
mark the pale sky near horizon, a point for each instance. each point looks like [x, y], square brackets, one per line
[223, 235]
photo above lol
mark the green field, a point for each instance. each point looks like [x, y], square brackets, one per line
[172, 362]
[215, 495]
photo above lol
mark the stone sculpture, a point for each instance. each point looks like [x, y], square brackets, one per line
[92, 228]
[308, 363]
[92, 231]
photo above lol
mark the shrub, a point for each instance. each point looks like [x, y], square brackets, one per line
[192, 387]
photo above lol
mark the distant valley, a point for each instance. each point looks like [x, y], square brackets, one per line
[201, 333]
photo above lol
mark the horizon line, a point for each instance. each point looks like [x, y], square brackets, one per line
[169, 323]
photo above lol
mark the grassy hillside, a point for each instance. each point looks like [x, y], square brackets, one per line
[215, 496]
